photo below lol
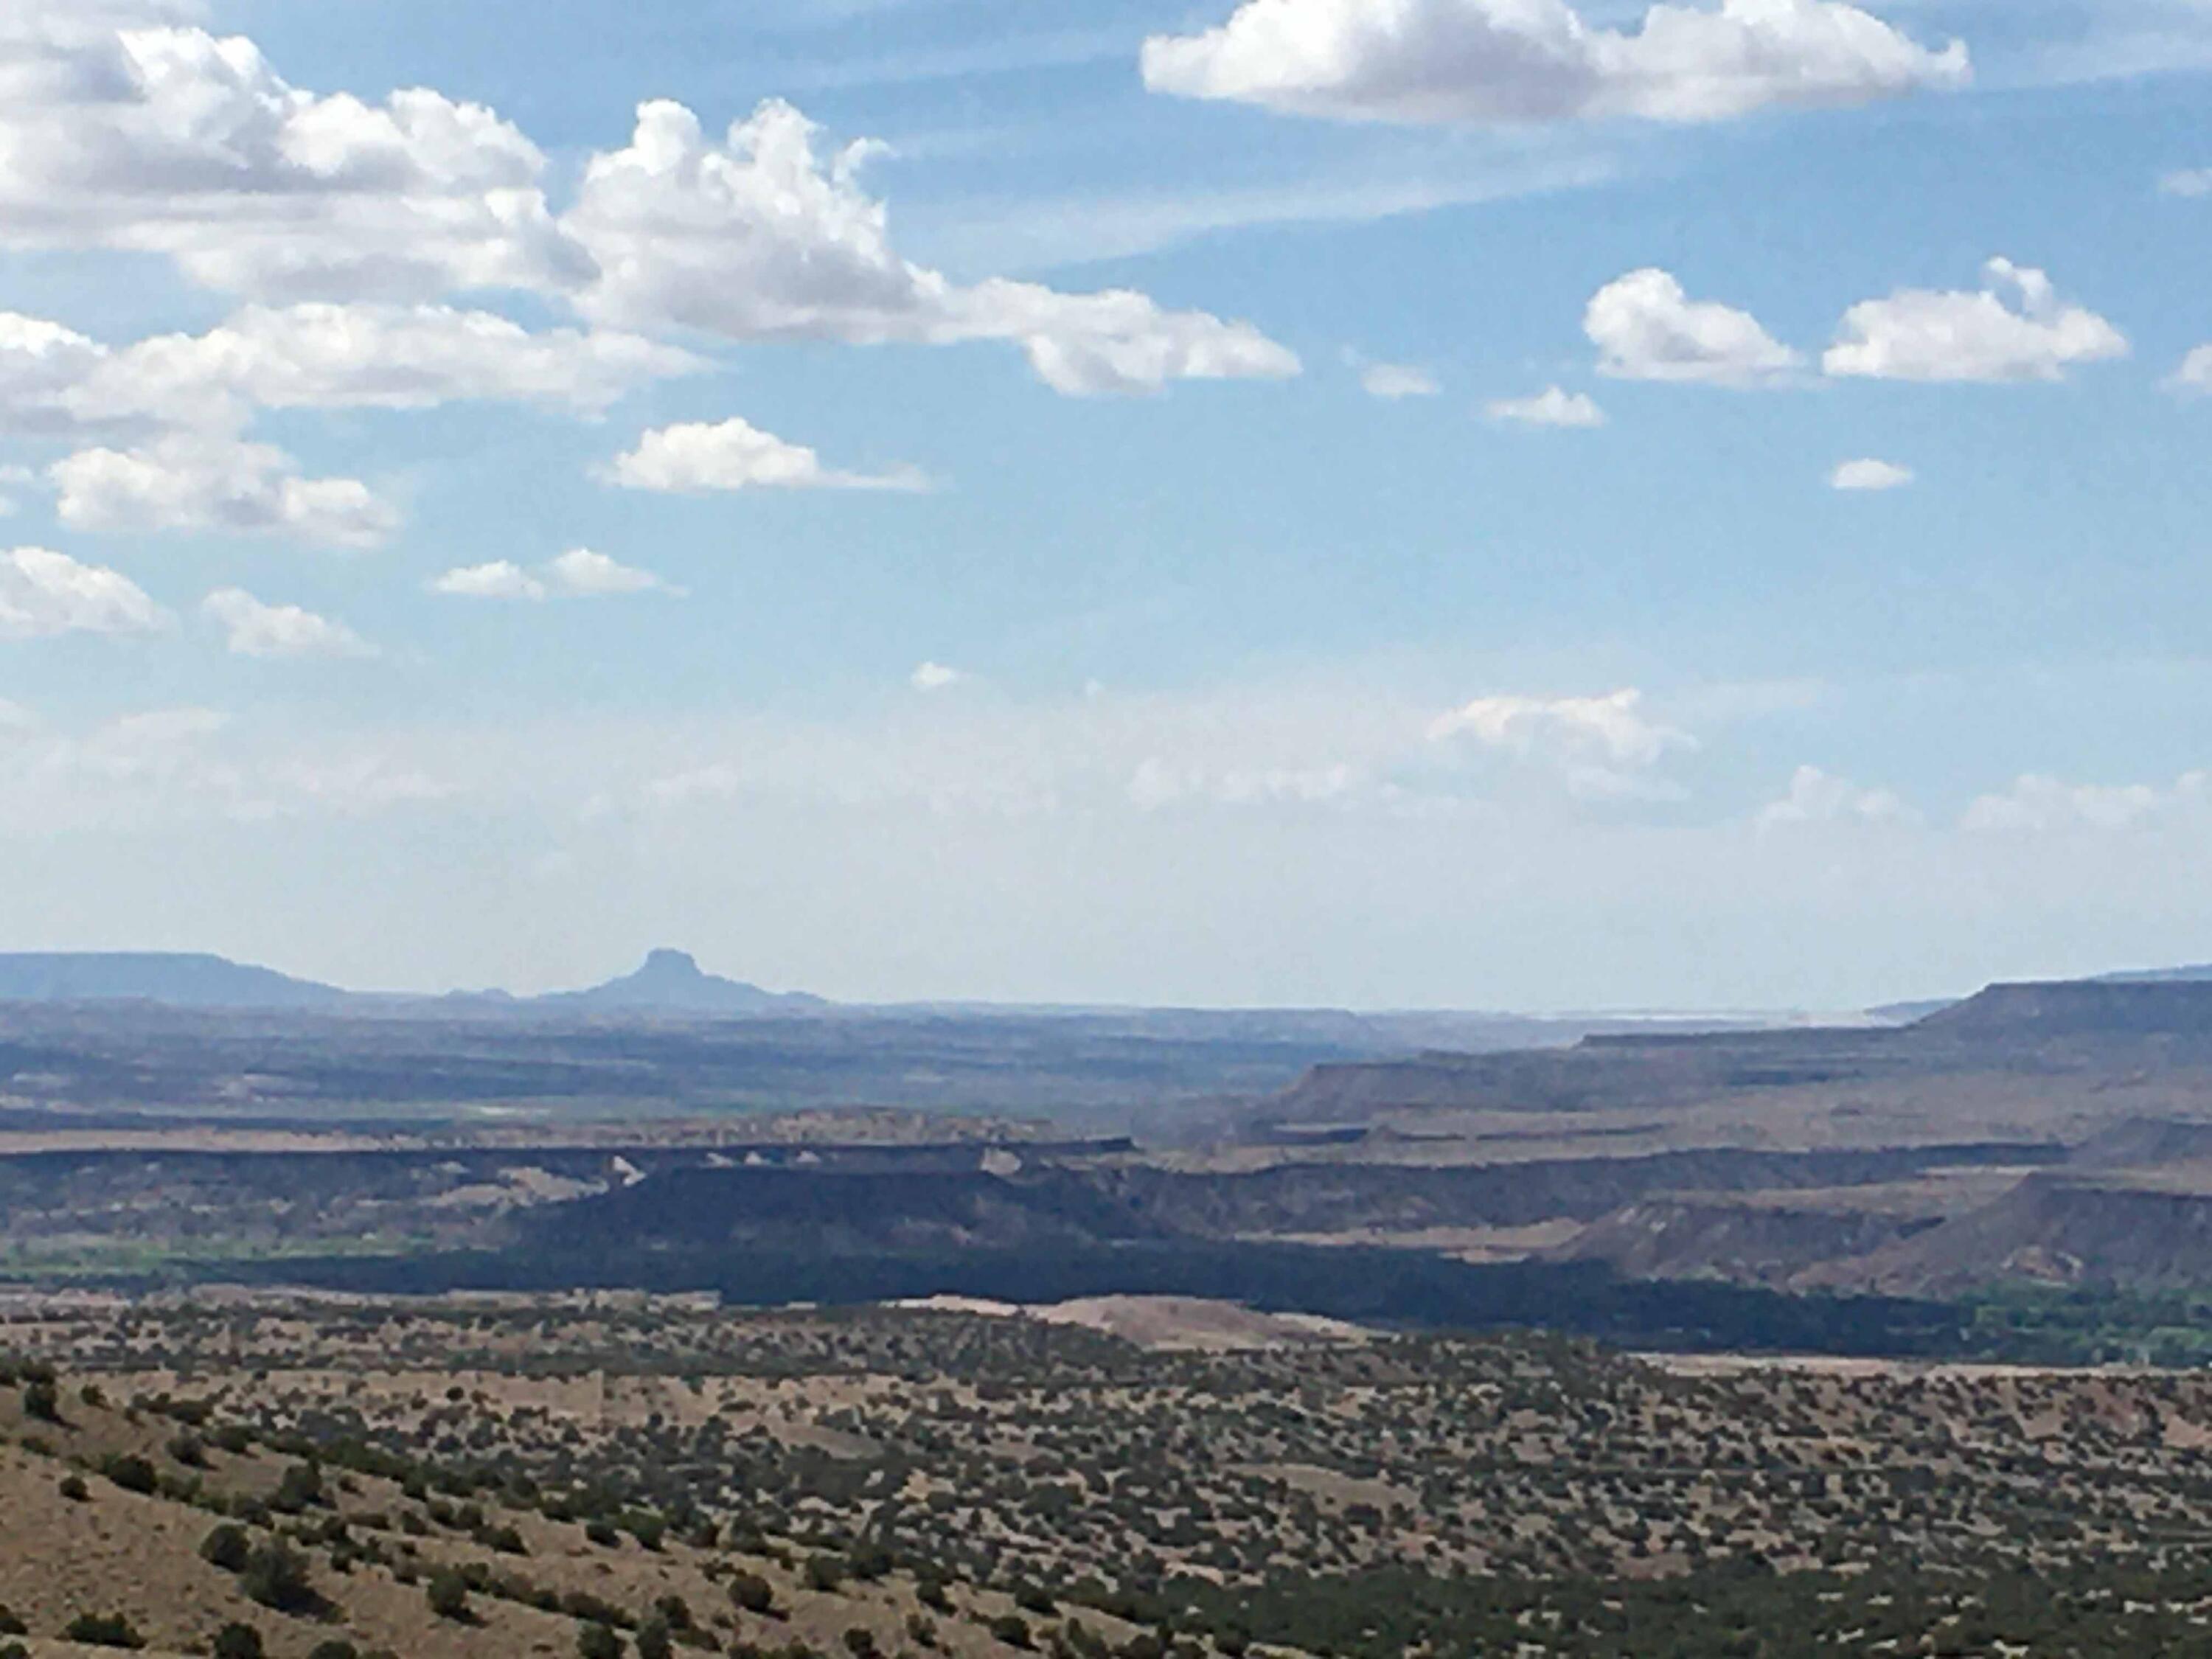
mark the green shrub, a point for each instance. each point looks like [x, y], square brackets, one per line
[751, 1593]
[448, 1595]
[10, 1624]
[132, 1474]
[237, 1641]
[597, 1641]
[1011, 1629]
[226, 1547]
[102, 1630]
[334, 1648]
[74, 1489]
[301, 1486]
[594, 1610]
[276, 1576]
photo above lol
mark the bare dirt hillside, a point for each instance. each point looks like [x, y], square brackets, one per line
[107, 1510]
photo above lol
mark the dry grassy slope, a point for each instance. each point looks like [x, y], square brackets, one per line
[121, 1551]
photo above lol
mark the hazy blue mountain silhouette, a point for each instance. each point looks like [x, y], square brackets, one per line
[183, 979]
[673, 981]
[670, 981]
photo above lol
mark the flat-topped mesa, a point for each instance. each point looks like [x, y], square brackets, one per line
[2076, 1008]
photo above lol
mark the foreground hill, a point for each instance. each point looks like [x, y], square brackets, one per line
[112, 1510]
[607, 1476]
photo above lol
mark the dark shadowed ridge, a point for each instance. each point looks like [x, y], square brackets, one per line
[180, 979]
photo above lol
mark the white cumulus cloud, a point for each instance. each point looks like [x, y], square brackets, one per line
[2015, 329]
[173, 141]
[215, 483]
[1392, 381]
[579, 572]
[501, 579]
[1554, 406]
[124, 127]
[1601, 748]
[2037, 804]
[1869, 475]
[369, 357]
[587, 575]
[44, 593]
[1818, 797]
[935, 676]
[42, 366]
[2192, 182]
[2195, 373]
[696, 457]
[1491, 61]
[1646, 327]
[756, 236]
[252, 629]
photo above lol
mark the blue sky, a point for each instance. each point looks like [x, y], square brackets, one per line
[461, 534]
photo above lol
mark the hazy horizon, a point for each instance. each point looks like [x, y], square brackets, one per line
[1447, 506]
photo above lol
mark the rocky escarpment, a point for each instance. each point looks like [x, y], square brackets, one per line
[2130, 1230]
[1760, 1239]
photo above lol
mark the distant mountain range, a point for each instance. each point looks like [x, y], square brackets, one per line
[184, 979]
[670, 981]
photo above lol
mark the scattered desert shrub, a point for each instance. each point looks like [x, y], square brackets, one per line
[301, 1486]
[448, 1595]
[276, 1576]
[103, 1630]
[751, 1593]
[226, 1547]
[238, 1641]
[131, 1473]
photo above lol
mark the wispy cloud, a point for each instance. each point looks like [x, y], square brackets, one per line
[1029, 234]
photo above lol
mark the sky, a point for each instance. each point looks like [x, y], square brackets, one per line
[1383, 503]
